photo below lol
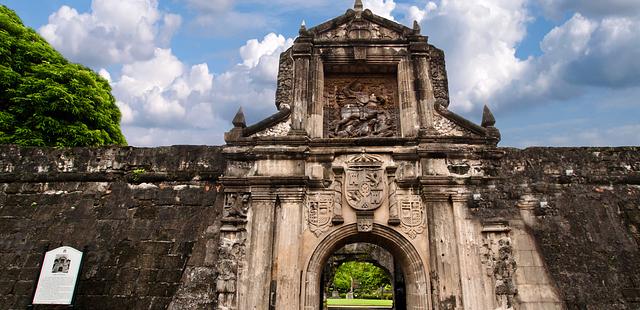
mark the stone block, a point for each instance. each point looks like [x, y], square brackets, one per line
[528, 293]
[170, 276]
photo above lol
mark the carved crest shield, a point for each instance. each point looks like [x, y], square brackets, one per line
[411, 215]
[364, 183]
[319, 212]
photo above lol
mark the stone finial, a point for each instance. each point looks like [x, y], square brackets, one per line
[487, 117]
[416, 27]
[238, 120]
[303, 28]
[358, 6]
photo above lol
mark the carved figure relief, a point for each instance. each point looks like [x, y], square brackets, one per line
[231, 254]
[360, 29]
[497, 255]
[412, 217]
[360, 107]
[364, 184]
[319, 212]
[236, 205]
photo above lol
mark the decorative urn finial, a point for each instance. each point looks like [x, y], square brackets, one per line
[358, 6]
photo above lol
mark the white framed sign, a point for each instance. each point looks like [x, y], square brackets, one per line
[58, 277]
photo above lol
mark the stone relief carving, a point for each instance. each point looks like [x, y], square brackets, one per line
[438, 73]
[231, 248]
[393, 202]
[360, 107]
[337, 196]
[360, 30]
[236, 205]
[279, 130]
[231, 255]
[446, 127]
[284, 90]
[364, 183]
[319, 212]
[497, 255]
[412, 216]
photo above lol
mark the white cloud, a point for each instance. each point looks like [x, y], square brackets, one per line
[577, 55]
[253, 50]
[382, 8]
[162, 91]
[113, 32]
[251, 84]
[479, 39]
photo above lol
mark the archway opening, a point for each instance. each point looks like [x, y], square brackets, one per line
[362, 274]
[407, 263]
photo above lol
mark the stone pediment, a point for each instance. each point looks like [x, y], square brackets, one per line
[357, 25]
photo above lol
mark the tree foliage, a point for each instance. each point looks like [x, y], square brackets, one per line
[367, 278]
[47, 101]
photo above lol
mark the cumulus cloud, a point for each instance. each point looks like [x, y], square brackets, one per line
[113, 32]
[161, 91]
[382, 8]
[577, 55]
[479, 39]
[164, 101]
[252, 82]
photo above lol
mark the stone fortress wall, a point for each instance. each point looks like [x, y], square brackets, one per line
[150, 219]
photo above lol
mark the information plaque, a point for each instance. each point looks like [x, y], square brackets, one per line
[58, 277]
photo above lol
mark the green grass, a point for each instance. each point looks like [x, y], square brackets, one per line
[359, 302]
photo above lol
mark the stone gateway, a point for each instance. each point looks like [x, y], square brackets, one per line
[362, 161]
[372, 155]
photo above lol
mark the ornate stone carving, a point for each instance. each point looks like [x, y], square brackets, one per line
[412, 216]
[231, 255]
[497, 255]
[393, 202]
[236, 205]
[337, 196]
[364, 221]
[364, 184]
[446, 127]
[360, 107]
[231, 248]
[284, 90]
[360, 29]
[438, 73]
[319, 212]
[279, 130]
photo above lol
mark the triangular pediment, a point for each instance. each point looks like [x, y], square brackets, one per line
[360, 25]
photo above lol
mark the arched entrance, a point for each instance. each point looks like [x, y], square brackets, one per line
[415, 275]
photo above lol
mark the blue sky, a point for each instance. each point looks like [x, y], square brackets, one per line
[554, 72]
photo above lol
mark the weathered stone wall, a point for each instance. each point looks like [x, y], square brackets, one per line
[586, 218]
[150, 220]
[145, 216]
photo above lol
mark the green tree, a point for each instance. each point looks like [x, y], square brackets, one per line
[47, 101]
[368, 278]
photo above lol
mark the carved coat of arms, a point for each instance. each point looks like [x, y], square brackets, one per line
[412, 215]
[319, 212]
[365, 188]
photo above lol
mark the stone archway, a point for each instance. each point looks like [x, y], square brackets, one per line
[414, 271]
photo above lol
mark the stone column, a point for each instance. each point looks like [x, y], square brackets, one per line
[288, 236]
[302, 50]
[316, 107]
[474, 292]
[257, 281]
[424, 90]
[408, 116]
[445, 271]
